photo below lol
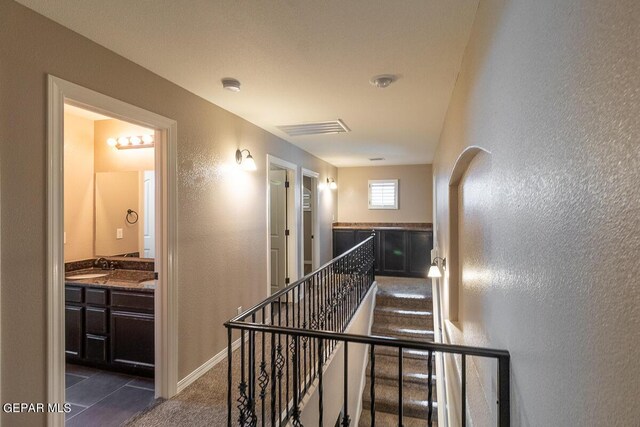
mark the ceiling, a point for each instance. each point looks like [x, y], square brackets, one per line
[299, 61]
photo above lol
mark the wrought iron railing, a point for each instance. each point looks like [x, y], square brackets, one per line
[286, 340]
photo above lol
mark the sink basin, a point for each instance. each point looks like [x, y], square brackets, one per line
[88, 276]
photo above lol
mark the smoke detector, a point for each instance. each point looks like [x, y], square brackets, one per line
[230, 84]
[383, 80]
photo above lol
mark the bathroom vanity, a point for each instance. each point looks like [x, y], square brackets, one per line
[109, 317]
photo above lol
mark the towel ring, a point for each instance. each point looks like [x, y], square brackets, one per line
[131, 213]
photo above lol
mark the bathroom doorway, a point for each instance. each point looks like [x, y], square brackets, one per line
[112, 299]
[109, 246]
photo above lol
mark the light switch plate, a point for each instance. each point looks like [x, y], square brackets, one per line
[119, 233]
[64, 237]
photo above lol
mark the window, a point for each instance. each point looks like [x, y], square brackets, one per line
[383, 194]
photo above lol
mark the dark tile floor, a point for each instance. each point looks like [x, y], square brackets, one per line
[103, 398]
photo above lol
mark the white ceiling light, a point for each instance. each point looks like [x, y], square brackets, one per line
[383, 80]
[230, 84]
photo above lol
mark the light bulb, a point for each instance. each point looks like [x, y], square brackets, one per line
[135, 140]
[333, 185]
[147, 139]
[111, 142]
[123, 140]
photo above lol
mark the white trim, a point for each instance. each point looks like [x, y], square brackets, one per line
[296, 267]
[206, 366]
[59, 92]
[315, 206]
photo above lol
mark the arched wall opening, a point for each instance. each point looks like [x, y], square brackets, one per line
[453, 259]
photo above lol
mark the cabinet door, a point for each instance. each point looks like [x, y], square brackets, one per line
[132, 339]
[73, 330]
[343, 240]
[394, 252]
[420, 245]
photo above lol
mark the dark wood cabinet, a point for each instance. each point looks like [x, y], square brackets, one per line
[110, 328]
[132, 339]
[394, 251]
[73, 331]
[398, 252]
[343, 240]
[419, 252]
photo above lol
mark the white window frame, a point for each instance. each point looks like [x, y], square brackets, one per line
[396, 184]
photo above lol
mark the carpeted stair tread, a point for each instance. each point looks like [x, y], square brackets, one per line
[406, 317]
[386, 419]
[402, 332]
[414, 371]
[414, 400]
[403, 301]
[407, 354]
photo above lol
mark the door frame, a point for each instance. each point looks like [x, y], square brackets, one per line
[293, 212]
[315, 225]
[166, 307]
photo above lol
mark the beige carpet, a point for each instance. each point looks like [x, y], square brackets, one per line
[204, 403]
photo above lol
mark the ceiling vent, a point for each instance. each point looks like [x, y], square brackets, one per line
[317, 128]
[376, 159]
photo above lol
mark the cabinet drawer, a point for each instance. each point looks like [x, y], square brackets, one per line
[96, 320]
[132, 300]
[73, 294]
[96, 348]
[96, 296]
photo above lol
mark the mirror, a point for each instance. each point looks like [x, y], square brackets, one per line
[124, 214]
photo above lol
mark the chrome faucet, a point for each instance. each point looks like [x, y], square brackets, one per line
[102, 263]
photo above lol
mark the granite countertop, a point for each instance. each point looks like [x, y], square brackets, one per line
[138, 280]
[417, 226]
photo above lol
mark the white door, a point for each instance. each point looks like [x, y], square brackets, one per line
[277, 227]
[149, 223]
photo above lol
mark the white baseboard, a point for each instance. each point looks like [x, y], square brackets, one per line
[205, 367]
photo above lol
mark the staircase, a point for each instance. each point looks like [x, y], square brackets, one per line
[403, 310]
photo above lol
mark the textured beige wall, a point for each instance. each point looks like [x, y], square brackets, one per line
[222, 239]
[415, 198]
[78, 191]
[549, 219]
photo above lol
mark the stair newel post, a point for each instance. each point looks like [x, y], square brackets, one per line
[273, 379]
[252, 372]
[345, 418]
[400, 370]
[229, 375]
[463, 418]
[504, 416]
[429, 384]
[372, 362]
[320, 391]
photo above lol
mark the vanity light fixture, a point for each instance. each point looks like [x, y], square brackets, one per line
[434, 270]
[125, 142]
[247, 163]
[331, 183]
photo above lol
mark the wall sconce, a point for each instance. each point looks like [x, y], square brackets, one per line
[247, 163]
[127, 142]
[331, 183]
[434, 270]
